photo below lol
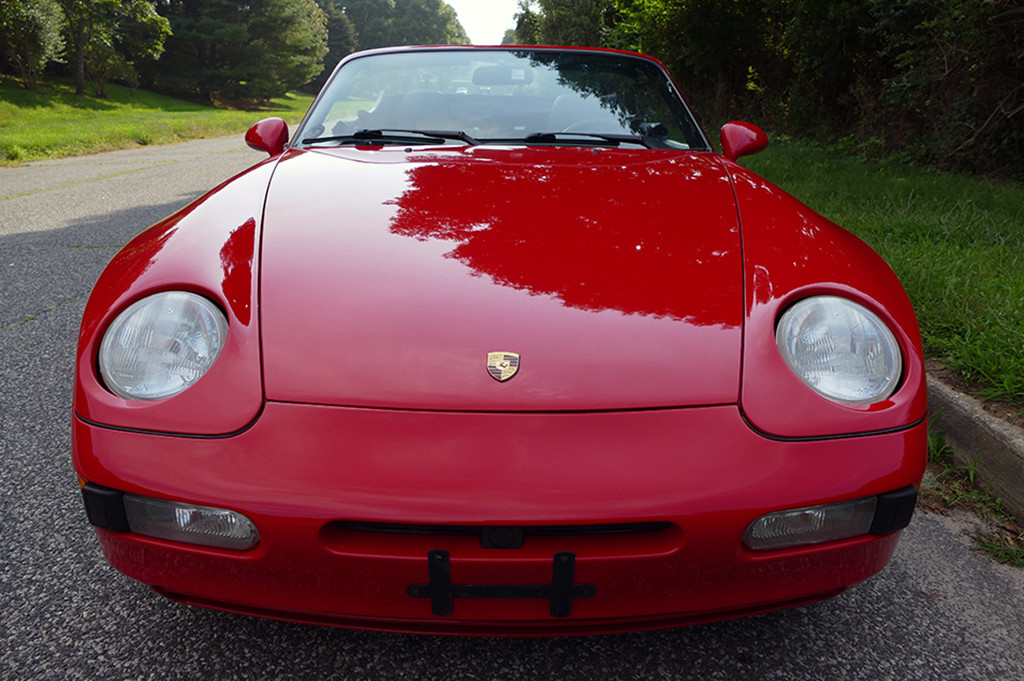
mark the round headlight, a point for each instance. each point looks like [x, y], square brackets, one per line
[840, 349]
[161, 345]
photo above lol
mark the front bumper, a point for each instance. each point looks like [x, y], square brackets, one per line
[357, 509]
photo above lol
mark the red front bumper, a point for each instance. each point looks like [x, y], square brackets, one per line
[688, 481]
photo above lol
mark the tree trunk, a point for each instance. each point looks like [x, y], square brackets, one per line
[80, 61]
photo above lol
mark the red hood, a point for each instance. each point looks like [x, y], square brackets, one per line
[388, 276]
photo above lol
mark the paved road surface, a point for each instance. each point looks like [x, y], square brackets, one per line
[939, 612]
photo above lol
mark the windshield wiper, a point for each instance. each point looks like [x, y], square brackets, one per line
[396, 136]
[447, 134]
[599, 138]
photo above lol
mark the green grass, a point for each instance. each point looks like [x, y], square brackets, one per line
[53, 122]
[956, 242]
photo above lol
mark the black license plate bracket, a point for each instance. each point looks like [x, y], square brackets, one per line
[442, 593]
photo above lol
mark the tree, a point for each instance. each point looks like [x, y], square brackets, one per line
[115, 52]
[575, 22]
[372, 20]
[828, 65]
[223, 50]
[380, 23]
[952, 90]
[426, 22]
[31, 33]
[341, 41]
[527, 29]
[109, 37]
[294, 35]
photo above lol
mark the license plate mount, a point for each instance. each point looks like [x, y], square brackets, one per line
[442, 593]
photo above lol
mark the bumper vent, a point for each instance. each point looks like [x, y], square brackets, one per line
[504, 536]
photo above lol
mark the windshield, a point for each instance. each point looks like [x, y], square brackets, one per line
[542, 96]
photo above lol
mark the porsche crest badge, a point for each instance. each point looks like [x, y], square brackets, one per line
[502, 365]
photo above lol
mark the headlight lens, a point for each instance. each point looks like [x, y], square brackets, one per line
[161, 345]
[840, 349]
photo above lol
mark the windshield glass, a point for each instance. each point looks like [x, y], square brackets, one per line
[549, 96]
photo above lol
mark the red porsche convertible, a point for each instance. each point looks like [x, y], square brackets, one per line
[496, 343]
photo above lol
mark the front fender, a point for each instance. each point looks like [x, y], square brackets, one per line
[210, 247]
[791, 252]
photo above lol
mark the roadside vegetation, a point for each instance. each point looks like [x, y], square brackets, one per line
[953, 486]
[52, 122]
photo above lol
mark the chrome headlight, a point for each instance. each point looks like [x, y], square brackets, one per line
[840, 349]
[161, 345]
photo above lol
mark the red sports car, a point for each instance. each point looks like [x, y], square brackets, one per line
[496, 343]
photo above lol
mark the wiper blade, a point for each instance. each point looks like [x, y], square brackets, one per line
[376, 137]
[600, 138]
[447, 134]
[395, 136]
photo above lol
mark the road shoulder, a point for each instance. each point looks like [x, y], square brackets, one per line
[990, 445]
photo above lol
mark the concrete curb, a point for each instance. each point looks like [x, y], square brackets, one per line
[993, 447]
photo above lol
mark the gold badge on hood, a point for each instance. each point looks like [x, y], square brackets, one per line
[502, 365]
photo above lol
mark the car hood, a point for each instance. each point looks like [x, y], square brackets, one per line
[389, 275]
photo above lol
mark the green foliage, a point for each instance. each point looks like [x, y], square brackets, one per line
[372, 21]
[827, 68]
[380, 23]
[341, 41]
[527, 28]
[575, 22]
[224, 51]
[294, 35]
[30, 31]
[136, 33]
[109, 38]
[426, 22]
[1004, 544]
[955, 80]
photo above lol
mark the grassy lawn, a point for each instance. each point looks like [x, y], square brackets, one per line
[955, 241]
[53, 122]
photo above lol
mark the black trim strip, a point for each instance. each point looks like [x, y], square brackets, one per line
[821, 438]
[417, 410]
[187, 436]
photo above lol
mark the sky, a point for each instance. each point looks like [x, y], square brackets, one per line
[485, 20]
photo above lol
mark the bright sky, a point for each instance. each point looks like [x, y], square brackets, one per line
[485, 20]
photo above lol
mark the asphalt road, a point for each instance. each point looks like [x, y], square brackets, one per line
[939, 612]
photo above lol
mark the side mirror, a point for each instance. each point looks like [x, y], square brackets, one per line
[269, 135]
[742, 139]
